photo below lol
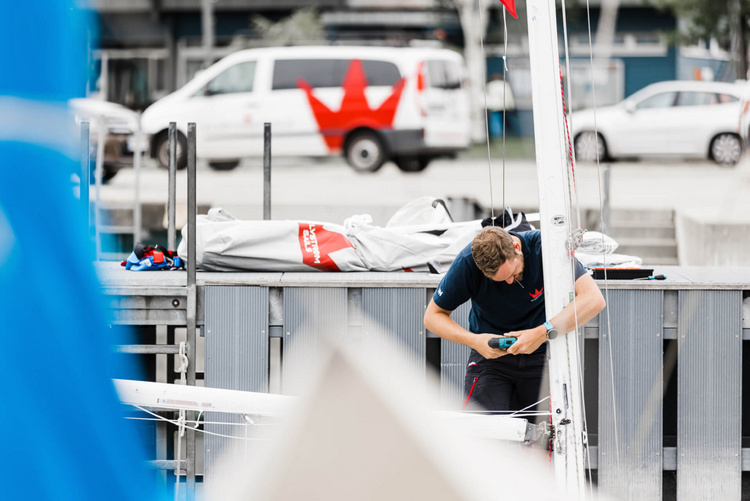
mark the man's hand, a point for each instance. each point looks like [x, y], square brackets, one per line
[481, 345]
[528, 340]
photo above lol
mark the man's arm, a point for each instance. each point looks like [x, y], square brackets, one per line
[440, 322]
[588, 303]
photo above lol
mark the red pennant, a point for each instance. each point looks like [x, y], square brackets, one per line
[511, 6]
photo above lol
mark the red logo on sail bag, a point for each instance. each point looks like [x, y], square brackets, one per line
[317, 244]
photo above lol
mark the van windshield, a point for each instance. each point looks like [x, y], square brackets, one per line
[330, 72]
[236, 79]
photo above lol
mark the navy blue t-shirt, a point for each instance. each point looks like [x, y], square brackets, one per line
[499, 307]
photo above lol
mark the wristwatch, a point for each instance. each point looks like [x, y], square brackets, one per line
[551, 331]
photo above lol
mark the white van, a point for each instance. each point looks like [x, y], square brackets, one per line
[371, 104]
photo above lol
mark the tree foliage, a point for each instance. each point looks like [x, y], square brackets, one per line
[302, 26]
[705, 19]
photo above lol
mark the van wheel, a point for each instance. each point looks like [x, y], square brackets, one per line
[365, 152]
[162, 150]
[224, 165]
[412, 164]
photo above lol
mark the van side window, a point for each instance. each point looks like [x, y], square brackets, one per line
[443, 75]
[238, 78]
[381, 73]
[329, 72]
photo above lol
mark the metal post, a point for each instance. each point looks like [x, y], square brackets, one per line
[207, 21]
[191, 302]
[266, 171]
[191, 307]
[606, 176]
[171, 232]
[137, 155]
[83, 191]
[101, 127]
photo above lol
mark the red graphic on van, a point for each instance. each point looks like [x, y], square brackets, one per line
[354, 111]
[317, 244]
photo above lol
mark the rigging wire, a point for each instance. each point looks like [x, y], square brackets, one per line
[573, 188]
[486, 118]
[604, 255]
[505, 89]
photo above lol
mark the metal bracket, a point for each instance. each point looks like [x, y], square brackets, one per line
[574, 240]
[535, 431]
[557, 436]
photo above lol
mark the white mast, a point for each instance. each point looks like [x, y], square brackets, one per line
[554, 203]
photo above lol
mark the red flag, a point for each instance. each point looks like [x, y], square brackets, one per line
[511, 6]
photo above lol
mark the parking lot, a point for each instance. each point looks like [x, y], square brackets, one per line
[328, 190]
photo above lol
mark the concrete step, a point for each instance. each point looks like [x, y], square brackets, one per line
[638, 231]
[660, 261]
[619, 217]
[648, 247]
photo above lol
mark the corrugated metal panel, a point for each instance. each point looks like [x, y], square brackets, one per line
[630, 417]
[397, 313]
[453, 358]
[709, 395]
[236, 354]
[309, 314]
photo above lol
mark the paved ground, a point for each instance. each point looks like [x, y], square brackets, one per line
[330, 191]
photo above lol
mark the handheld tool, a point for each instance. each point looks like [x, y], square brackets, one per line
[502, 343]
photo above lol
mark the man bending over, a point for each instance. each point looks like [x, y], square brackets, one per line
[501, 272]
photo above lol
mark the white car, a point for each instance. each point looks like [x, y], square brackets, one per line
[679, 118]
[121, 125]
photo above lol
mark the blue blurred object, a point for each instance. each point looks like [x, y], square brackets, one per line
[63, 432]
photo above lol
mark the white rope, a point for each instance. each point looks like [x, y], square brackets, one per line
[198, 423]
[604, 258]
[177, 423]
[532, 405]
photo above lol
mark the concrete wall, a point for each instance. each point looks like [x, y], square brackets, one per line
[711, 239]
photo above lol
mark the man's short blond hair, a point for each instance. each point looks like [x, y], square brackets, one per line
[491, 249]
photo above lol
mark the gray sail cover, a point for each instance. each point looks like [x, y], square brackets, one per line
[418, 234]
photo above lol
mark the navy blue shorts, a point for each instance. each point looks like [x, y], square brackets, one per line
[508, 384]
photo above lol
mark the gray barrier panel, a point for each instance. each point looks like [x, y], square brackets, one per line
[630, 440]
[310, 315]
[453, 358]
[396, 313]
[709, 395]
[236, 355]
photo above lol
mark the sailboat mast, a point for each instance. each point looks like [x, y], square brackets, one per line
[554, 203]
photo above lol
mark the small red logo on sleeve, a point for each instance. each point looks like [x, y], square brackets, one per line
[536, 293]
